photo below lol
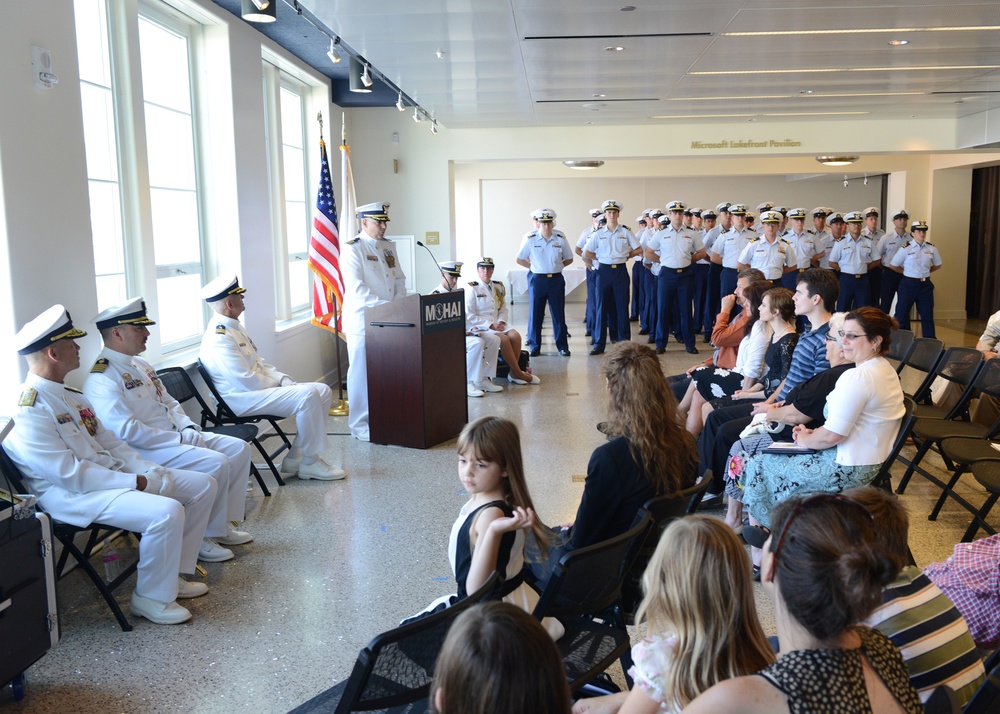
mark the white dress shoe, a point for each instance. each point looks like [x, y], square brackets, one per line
[212, 552]
[162, 613]
[187, 590]
[472, 390]
[533, 380]
[487, 386]
[321, 471]
[234, 537]
[290, 466]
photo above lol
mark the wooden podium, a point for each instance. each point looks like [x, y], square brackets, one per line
[416, 370]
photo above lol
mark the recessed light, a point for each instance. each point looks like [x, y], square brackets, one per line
[898, 43]
[805, 91]
[627, 8]
[863, 31]
[830, 70]
[439, 54]
[837, 160]
[583, 165]
[613, 49]
[599, 96]
[589, 123]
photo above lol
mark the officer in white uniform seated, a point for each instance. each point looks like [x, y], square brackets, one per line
[486, 311]
[481, 348]
[372, 276]
[132, 403]
[252, 386]
[81, 473]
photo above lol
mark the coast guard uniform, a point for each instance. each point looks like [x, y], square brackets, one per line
[880, 272]
[852, 257]
[803, 246]
[888, 244]
[546, 282]
[674, 249]
[649, 274]
[372, 276]
[769, 258]
[918, 261]
[729, 246]
[701, 318]
[485, 305]
[581, 243]
[612, 249]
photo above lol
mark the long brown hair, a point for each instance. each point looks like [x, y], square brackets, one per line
[753, 294]
[642, 408]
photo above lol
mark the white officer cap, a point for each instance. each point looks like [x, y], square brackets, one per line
[770, 217]
[871, 211]
[546, 215]
[676, 206]
[820, 211]
[750, 216]
[51, 326]
[780, 209]
[132, 312]
[854, 217]
[663, 220]
[655, 213]
[696, 212]
[918, 226]
[797, 214]
[834, 217]
[452, 267]
[709, 214]
[766, 206]
[723, 207]
[378, 211]
[641, 220]
[611, 205]
[536, 213]
[647, 212]
[901, 213]
[222, 287]
[738, 209]
[602, 220]
[485, 263]
[595, 212]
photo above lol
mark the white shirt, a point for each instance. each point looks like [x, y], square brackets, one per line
[991, 335]
[750, 353]
[888, 244]
[853, 256]
[865, 406]
[729, 246]
[917, 259]
[675, 247]
[612, 247]
[231, 357]
[372, 276]
[545, 255]
[769, 258]
[804, 247]
[485, 304]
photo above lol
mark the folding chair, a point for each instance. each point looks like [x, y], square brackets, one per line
[883, 479]
[986, 700]
[922, 359]
[958, 366]
[899, 350]
[584, 594]
[224, 415]
[393, 673]
[929, 433]
[66, 534]
[179, 385]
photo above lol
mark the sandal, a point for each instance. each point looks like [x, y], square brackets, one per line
[755, 569]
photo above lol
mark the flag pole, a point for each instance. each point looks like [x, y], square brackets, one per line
[340, 408]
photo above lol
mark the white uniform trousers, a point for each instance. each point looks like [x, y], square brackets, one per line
[172, 529]
[308, 402]
[357, 386]
[481, 356]
[227, 460]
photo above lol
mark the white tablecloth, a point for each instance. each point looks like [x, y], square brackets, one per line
[517, 278]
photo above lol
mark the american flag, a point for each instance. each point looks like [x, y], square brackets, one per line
[324, 252]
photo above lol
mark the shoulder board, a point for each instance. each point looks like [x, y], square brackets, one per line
[473, 282]
[73, 389]
[811, 231]
[352, 241]
[785, 241]
[907, 244]
[27, 398]
[558, 233]
[927, 242]
[220, 329]
[496, 282]
[754, 240]
[99, 366]
[839, 239]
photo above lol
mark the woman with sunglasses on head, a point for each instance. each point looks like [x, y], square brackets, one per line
[862, 418]
[824, 572]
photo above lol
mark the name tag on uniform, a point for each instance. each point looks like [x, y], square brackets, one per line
[371, 257]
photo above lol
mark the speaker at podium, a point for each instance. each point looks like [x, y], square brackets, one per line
[416, 370]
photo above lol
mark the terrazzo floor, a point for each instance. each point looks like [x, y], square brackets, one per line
[333, 564]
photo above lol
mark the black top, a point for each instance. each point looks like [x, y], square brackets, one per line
[463, 549]
[810, 396]
[778, 358]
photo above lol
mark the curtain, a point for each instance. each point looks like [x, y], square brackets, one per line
[982, 296]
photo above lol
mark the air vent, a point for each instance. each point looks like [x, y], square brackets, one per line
[619, 37]
[591, 102]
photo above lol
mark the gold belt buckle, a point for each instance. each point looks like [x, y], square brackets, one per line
[549, 275]
[614, 265]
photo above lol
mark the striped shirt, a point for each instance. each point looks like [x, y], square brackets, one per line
[931, 635]
[808, 359]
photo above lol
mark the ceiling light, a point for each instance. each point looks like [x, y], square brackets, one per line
[627, 8]
[599, 96]
[837, 160]
[366, 76]
[439, 54]
[332, 52]
[434, 127]
[829, 70]
[755, 114]
[583, 165]
[614, 49]
[811, 95]
[416, 115]
[399, 103]
[898, 43]
[259, 10]
[865, 31]
[805, 91]
[356, 76]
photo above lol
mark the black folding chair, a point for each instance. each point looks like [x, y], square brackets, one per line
[959, 366]
[584, 594]
[986, 700]
[224, 415]
[393, 673]
[66, 535]
[899, 350]
[179, 385]
[883, 479]
[922, 359]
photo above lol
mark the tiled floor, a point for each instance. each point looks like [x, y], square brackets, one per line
[335, 563]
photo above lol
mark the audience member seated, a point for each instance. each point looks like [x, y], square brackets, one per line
[497, 659]
[970, 577]
[252, 386]
[695, 638]
[132, 404]
[919, 619]
[824, 572]
[82, 474]
[862, 419]
[708, 383]
[805, 404]
[649, 454]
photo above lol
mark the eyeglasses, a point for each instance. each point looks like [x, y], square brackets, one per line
[850, 336]
[830, 338]
[814, 502]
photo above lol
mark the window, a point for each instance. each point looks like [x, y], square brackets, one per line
[286, 100]
[144, 190]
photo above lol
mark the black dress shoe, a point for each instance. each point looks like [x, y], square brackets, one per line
[651, 340]
[644, 331]
[633, 318]
[660, 350]
[587, 333]
[564, 353]
[711, 501]
[692, 350]
[534, 352]
[706, 339]
[597, 351]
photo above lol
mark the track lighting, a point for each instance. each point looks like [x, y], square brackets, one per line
[259, 10]
[399, 103]
[356, 76]
[434, 127]
[332, 53]
[416, 115]
[366, 76]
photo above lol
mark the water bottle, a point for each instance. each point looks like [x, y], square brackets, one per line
[109, 556]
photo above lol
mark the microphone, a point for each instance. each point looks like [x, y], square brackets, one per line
[443, 278]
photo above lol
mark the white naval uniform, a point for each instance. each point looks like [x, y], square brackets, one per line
[481, 350]
[131, 403]
[485, 305]
[372, 276]
[81, 473]
[252, 386]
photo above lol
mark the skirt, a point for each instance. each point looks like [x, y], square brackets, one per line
[715, 383]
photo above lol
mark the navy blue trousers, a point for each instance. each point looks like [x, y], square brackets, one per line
[921, 292]
[854, 292]
[637, 289]
[547, 288]
[673, 293]
[612, 299]
[890, 286]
